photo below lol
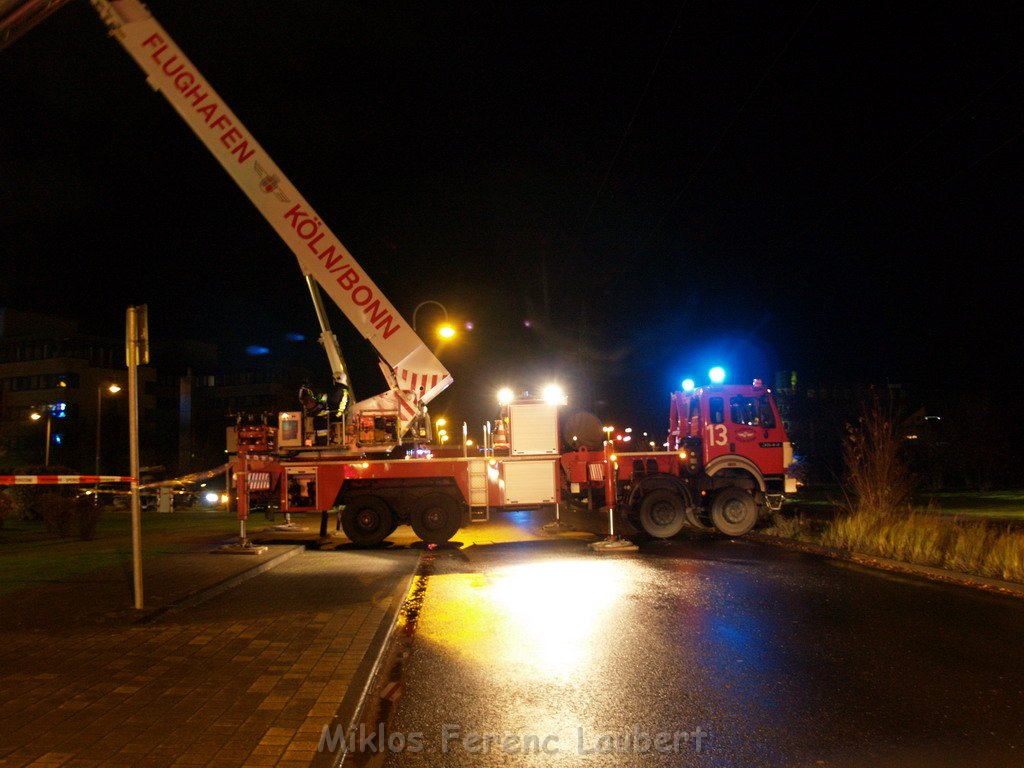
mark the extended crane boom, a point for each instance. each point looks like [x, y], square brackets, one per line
[414, 374]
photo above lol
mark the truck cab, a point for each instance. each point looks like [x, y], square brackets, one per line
[732, 430]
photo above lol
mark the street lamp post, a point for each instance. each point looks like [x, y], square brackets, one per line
[440, 433]
[36, 416]
[112, 389]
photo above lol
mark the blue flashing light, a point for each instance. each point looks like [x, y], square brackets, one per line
[293, 336]
[256, 350]
[58, 439]
[688, 385]
[717, 374]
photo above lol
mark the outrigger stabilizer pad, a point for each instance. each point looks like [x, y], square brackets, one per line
[613, 544]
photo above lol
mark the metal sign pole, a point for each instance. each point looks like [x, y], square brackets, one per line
[132, 349]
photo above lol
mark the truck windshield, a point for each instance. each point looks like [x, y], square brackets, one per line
[752, 411]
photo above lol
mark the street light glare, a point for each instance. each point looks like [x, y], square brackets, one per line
[113, 389]
[446, 331]
[554, 394]
[505, 396]
[35, 416]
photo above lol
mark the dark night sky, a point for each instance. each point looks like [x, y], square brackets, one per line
[829, 187]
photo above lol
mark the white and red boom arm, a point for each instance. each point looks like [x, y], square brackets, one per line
[415, 375]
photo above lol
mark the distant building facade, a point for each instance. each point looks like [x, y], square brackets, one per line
[186, 400]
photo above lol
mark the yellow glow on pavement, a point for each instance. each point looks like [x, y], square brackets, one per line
[537, 619]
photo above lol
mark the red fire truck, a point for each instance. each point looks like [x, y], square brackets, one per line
[728, 454]
[436, 495]
[725, 466]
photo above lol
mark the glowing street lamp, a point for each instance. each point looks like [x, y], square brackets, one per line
[446, 330]
[439, 429]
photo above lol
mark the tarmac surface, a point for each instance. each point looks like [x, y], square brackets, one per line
[246, 659]
[206, 675]
[235, 660]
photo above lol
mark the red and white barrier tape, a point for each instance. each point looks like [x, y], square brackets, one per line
[62, 479]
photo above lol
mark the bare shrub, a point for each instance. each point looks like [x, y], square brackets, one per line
[877, 478]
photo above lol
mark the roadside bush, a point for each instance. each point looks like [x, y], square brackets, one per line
[22, 497]
[878, 480]
[25, 499]
[64, 515]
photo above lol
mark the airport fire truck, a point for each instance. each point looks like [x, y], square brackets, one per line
[725, 466]
[727, 454]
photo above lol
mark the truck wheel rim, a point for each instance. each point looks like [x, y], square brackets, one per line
[663, 514]
[734, 511]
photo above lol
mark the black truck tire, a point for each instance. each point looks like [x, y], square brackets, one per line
[436, 518]
[733, 511]
[367, 520]
[662, 513]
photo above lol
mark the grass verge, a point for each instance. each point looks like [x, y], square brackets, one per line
[921, 537]
[28, 554]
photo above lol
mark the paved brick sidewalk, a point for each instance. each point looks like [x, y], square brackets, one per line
[249, 677]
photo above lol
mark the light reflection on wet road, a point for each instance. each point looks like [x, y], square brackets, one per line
[547, 653]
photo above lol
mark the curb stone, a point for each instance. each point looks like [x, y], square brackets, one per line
[985, 583]
[353, 704]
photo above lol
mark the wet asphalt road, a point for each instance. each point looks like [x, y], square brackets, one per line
[704, 651]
